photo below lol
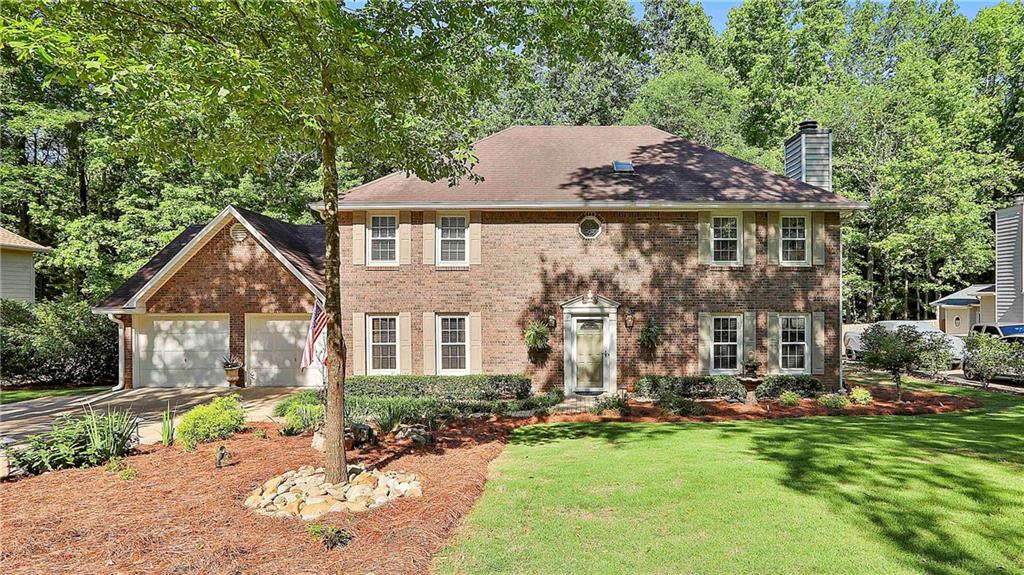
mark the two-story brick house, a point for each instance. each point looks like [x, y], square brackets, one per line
[592, 231]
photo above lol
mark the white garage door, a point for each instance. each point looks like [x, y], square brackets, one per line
[274, 345]
[181, 351]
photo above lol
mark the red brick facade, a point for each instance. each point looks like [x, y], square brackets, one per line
[646, 261]
[226, 277]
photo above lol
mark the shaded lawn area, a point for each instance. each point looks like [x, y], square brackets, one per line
[937, 494]
[16, 395]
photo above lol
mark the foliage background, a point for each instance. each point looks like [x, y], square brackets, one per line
[924, 104]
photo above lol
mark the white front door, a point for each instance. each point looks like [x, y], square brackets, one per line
[274, 346]
[180, 350]
[590, 354]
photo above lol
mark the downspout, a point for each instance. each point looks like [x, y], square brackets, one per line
[120, 352]
[842, 375]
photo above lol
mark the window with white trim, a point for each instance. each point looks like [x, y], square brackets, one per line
[452, 240]
[794, 240]
[794, 349]
[452, 344]
[725, 240]
[383, 245]
[382, 344]
[726, 335]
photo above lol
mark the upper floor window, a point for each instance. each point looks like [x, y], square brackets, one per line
[452, 242]
[793, 339]
[383, 344]
[794, 240]
[383, 245]
[725, 240]
[725, 338]
[453, 344]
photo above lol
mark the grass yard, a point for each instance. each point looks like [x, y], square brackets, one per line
[936, 494]
[16, 395]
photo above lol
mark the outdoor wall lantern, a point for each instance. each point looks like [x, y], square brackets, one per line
[629, 319]
[552, 322]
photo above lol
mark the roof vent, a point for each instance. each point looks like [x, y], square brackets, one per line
[238, 232]
[623, 166]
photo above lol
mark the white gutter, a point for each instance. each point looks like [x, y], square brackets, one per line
[120, 352]
[604, 205]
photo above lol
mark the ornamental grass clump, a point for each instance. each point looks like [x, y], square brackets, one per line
[789, 398]
[219, 419]
[77, 441]
[861, 396]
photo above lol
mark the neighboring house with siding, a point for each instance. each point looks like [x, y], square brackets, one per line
[17, 266]
[1001, 303]
[591, 230]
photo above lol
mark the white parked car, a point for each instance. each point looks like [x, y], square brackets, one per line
[854, 348]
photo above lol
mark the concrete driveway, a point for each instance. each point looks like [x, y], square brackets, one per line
[18, 420]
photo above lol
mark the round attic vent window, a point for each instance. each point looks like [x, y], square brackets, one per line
[590, 227]
[238, 232]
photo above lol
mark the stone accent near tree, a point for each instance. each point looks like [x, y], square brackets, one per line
[304, 493]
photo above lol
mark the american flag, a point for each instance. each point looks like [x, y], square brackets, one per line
[317, 323]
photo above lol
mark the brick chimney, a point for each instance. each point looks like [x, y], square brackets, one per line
[808, 155]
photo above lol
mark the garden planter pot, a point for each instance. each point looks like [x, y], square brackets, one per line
[232, 374]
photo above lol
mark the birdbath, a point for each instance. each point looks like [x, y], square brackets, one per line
[750, 383]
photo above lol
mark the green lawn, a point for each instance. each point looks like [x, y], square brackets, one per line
[940, 494]
[16, 395]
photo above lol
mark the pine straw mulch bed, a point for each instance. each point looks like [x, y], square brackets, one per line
[180, 515]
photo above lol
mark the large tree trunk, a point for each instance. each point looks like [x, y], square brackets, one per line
[337, 466]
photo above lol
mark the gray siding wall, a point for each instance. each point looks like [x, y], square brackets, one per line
[808, 158]
[1009, 251]
[17, 275]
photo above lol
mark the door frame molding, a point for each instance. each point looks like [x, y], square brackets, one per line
[592, 307]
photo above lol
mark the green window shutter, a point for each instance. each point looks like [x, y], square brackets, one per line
[773, 238]
[773, 342]
[749, 335]
[818, 342]
[704, 342]
[749, 238]
[818, 238]
[704, 238]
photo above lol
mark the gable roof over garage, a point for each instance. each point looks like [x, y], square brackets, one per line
[299, 248]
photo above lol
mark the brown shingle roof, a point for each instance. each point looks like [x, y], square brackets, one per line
[572, 166]
[11, 240]
[301, 245]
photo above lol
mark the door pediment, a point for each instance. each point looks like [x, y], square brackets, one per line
[589, 303]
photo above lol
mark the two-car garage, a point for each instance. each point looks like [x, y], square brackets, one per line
[243, 285]
[178, 350]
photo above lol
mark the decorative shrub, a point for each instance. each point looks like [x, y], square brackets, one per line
[649, 334]
[449, 387]
[690, 386]
[305, 397]
[329, 535]
[303, 417]
[76, 441]
[802, 385]
[536, 336]
[834, 401]
[789, 398]
[56, 343]
[219, 419]
[616, 402]
[681, 406]
[861, 396]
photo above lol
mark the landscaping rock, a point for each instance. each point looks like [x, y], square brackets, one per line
[304, 493]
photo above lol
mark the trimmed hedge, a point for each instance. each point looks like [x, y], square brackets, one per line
[219, 419]
[690, 386]
[448, 387]
[802, 385]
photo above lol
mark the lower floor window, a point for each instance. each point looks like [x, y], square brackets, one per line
[383, 347]
[453, 345]
[725, 349]
[793, 338]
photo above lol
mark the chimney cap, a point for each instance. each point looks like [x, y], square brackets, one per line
[807, 125]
